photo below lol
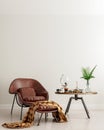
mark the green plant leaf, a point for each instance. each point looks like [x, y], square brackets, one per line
[92, 71]
[87, 74]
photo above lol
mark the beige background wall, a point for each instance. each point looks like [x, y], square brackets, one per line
[42, 39]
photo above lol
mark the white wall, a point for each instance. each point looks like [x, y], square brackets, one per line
[42, 39]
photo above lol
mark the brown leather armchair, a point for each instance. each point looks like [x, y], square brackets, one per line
[26, 91]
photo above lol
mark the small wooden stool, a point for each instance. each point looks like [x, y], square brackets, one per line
[45, 109]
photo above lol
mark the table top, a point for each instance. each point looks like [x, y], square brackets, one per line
[76, 93]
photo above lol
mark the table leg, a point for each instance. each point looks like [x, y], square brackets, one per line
[68, 106]
[85, 107]
[76, 98]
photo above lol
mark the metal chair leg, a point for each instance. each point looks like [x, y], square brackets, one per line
[21, 112]
[39, 119]
[46, 115]
[13, 104]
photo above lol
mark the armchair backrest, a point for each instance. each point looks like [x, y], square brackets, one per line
[27, 82]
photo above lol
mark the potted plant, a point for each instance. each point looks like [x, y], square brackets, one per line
[87, 74]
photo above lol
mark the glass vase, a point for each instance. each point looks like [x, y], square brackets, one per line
[87, 87]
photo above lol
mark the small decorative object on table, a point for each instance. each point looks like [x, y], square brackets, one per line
[66, 89]
[87, 75]
[58, 90]
[64, 80]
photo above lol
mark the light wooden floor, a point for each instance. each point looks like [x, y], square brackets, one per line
[77, 120]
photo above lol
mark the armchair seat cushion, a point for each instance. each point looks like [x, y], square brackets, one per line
[34, 98]
[39, 98]
[28, 94]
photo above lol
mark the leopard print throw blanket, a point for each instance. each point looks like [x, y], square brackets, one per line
[28, 119]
